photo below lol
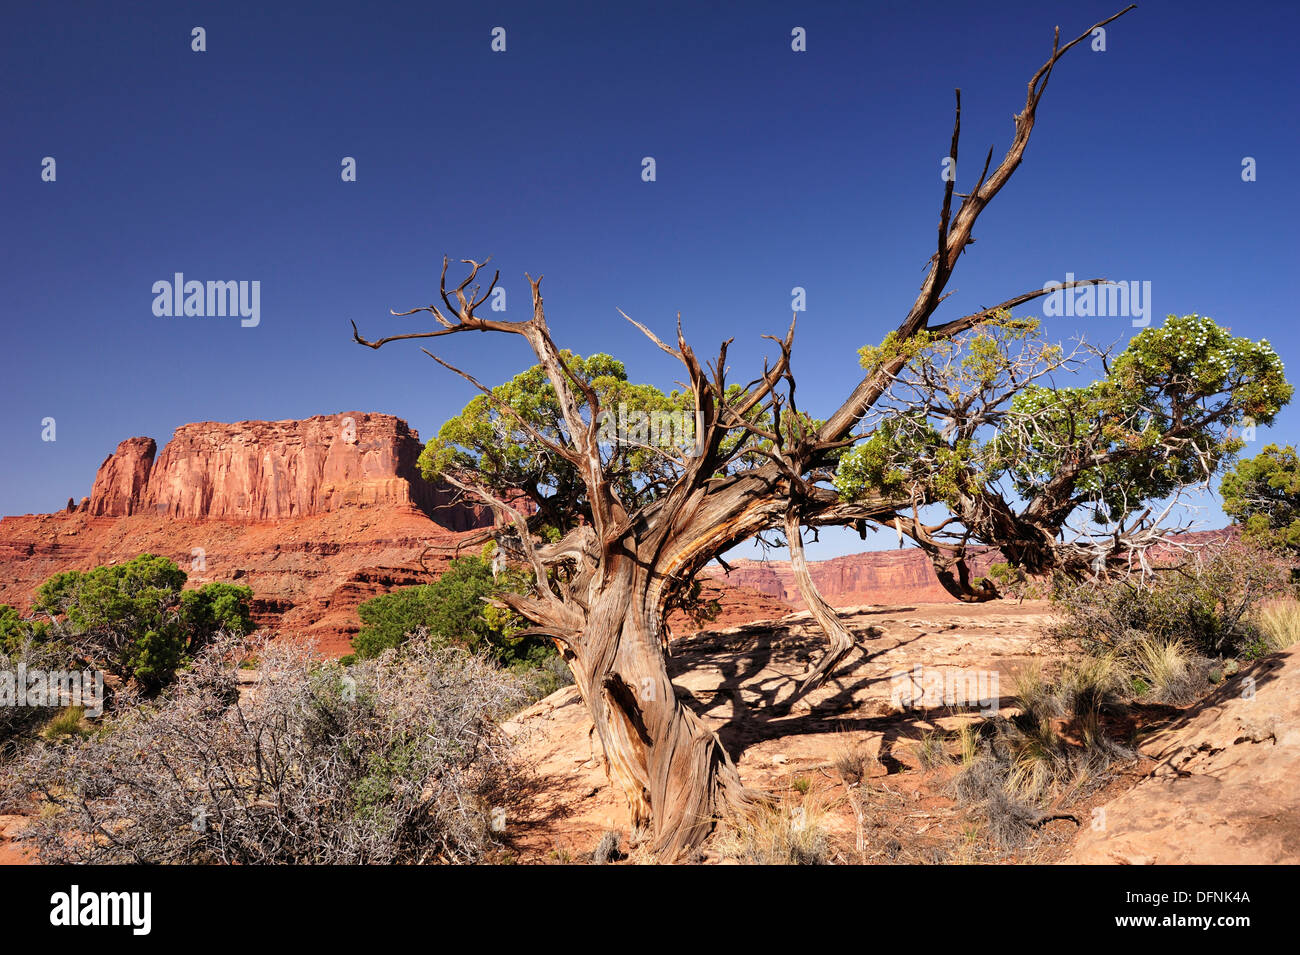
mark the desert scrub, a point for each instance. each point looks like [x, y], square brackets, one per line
[853, 764]
[393, 760]
[1168, 670]
[968, 742]
[607, 849]
[1013, 768]
[1208, 603]
[789, 833]
[1009, 817]
[932, 750]
[18, 724]
[543, 676]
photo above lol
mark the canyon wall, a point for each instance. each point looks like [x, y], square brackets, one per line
[874, 577]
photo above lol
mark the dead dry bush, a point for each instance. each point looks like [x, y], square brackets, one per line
[788, 832]
[1208, 602]
[394, 760]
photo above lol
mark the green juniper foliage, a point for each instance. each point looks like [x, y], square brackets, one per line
[1164, 415]
[452, 611]
[499, 454]
[134, 618]
[1262, 494]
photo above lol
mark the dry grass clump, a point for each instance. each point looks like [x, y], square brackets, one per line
[853, 763]
[784, 833]
[932, 749]
[968, 742]
[1013, 768]
[1279, 624]
[1169, 668]
[69, 721]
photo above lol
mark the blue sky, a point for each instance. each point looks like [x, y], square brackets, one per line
[775, 169]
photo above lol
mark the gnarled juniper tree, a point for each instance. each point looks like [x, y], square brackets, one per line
[947, 414]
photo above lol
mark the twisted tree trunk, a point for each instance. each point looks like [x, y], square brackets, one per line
[670, 766]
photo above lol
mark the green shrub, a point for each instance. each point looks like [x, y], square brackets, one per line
[1262, 494]
[134, 619]
[451, 611]
[1014, 583]
[19, 723]
[16, 630]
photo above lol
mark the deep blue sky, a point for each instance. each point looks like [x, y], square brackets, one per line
[775, 169]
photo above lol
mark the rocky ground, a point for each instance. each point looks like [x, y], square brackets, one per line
[738, 677]
[1224, 784]
[1213, 783]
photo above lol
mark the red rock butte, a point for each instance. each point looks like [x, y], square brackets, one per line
[315, 516]
[272, 470]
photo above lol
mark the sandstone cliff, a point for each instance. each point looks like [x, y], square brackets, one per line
[315, 516]
[273, 470]
[875, 577]
[122, 479]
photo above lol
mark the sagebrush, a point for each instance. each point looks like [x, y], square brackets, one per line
[395, 760]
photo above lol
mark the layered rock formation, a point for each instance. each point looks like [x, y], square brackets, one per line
[123, 478]
[307, 574]
[879, 577]
[273, 470]
[315, 516]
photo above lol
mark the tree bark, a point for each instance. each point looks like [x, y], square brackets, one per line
[673, 770]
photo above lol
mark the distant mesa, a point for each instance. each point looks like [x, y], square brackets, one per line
[316, 516]
[276, 470]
